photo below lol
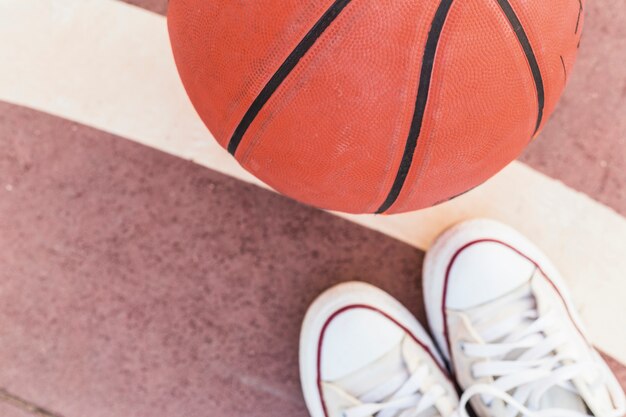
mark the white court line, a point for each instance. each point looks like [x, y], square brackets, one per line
[108, 65]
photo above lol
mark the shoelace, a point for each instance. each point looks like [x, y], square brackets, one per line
[522, 360]
[395, 396]
[529, 375]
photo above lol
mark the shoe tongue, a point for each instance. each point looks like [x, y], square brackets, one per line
[386, 369]
[557, 397]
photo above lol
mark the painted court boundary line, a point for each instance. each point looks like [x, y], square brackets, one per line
[108, 65]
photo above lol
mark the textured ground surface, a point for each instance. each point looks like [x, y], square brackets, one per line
[134, 284]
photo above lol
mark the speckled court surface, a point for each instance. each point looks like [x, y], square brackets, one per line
[134, 283]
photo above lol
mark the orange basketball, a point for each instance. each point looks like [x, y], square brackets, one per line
[375, 106]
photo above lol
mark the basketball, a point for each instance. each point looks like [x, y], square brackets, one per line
[375, 106]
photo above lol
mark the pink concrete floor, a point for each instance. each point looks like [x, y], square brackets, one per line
[134, 284]
[8, 410]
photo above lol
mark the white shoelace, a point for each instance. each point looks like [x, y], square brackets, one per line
[521, 359]
[410, 397]
[516, 353]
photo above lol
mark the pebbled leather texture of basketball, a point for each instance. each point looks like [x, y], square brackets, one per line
[375, 106]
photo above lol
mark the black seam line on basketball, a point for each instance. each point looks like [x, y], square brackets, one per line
[428, 63]
[580, 12]
[530, 56]
[285, 69]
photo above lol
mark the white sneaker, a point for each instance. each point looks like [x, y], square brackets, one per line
[505, 322]
[363, 354]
